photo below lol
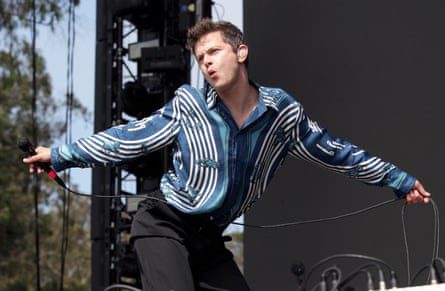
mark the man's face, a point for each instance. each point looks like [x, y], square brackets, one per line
[217, 61]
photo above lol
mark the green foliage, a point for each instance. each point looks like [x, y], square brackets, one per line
[17, 248]
[17, 14]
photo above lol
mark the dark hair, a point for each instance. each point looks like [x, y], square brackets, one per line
[231, 34]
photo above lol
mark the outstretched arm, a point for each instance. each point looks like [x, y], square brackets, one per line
[315, 144]
[114, 146]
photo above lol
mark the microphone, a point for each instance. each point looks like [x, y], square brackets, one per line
[26, 146]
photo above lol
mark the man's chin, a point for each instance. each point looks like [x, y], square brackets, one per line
[211, 82]
[218, 86]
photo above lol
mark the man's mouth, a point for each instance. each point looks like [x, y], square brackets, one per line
[212, 73]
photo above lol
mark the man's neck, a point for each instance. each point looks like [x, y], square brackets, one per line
[240, 99]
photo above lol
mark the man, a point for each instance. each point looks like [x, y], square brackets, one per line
[229, 139]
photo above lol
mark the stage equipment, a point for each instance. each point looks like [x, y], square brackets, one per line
[334, 277]
[140, 61]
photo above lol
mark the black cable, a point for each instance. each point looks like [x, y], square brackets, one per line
[27, 147]
[442, 261]
[36, 186]
[405, 240]
[437, 229]
[350, 256]
[417, 274]
[64, 186]
[147, 196]
[334, 271]
[442, 272]
[356, 272]
[320, 219]
[121, 286]
[435, 239]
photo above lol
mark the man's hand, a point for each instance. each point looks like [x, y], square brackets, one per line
[43, 155]
[417, 194]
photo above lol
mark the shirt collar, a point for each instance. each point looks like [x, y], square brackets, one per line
[265, 99]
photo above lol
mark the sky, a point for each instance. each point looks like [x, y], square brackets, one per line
[53, 46]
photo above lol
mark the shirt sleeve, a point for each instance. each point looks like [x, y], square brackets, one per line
[122, 143]
[313, 143]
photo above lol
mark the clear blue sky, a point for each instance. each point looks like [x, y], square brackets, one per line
[53, 45]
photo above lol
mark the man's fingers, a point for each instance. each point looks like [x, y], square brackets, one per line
[31, 159]
[35, 169]
[419, 187]
[414, 196]
[409, 198]
[418, 194]
[43, 155]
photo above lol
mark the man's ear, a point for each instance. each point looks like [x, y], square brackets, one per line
[242, 53]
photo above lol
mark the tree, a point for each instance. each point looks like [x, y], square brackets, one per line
[17, 268]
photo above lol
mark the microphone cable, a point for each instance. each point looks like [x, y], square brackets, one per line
[147, 195]
[27, 147]
[436, 240]
[337, 217]
[119, 286]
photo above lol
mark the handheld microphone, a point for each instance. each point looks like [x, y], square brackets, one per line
[26, 146]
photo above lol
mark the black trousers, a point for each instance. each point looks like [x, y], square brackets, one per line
[181, 253]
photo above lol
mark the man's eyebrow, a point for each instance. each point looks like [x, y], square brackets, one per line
[200, 54]
[207, 50]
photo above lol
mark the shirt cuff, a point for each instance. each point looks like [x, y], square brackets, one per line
[57, 162]
[400, 181]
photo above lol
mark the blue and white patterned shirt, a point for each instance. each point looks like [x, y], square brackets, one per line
[219, 169]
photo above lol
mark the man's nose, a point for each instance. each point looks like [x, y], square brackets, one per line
[207, 60]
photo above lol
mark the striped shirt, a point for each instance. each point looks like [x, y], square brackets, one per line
[219, 169]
